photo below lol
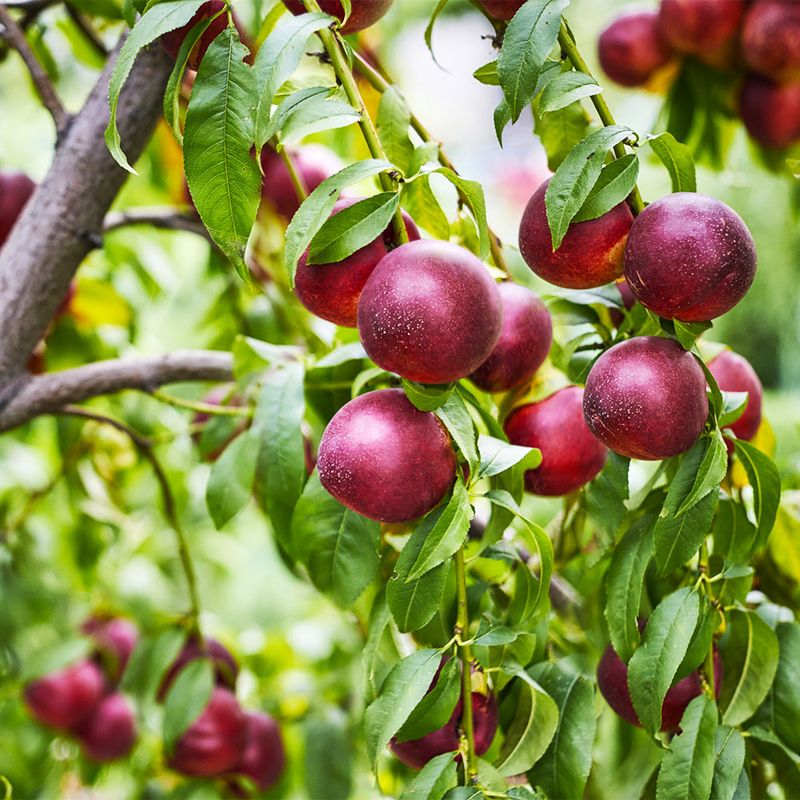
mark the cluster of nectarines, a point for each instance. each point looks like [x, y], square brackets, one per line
[759, 41]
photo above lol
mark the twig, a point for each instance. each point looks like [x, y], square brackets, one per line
[203, 408]
[87, 30]
[15, 36]
[163, 218]
[465, 651]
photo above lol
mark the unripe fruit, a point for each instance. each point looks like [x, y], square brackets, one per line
[524, 342]
[332, 291]
[114, 640]
[226, 669]
[502, 9]
[214, 742]
[689, 257]
[735, 374]
[363, 12]
[771, 40]
[612, 680]
[15, 191]
[571, 455]
[173, 40]
[264, 757]
[698, 26]
[418, 752]
[430, 312]
[646, 398]
[385, 459]
[590, 253]
[313, 162]
[632, 48]
[110, 732]
[66, 698]
[770, 111]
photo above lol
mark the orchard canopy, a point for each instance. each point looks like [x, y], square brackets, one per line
[400, 399]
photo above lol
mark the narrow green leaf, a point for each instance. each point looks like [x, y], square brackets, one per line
[766, 482]
[230, 483]
[768, 746]
[487, 74]
[392, 122]
[456, 418]
[150, 660]
[678, 538]
[607, 493]
[427, 397]
[186, 698]
[436, 707]
[475, 200]
[710, 472]
[559, 131]
[433, 780]
[315, 112]
[734, 534]
[617, 180]
[567, 88]
[734, 404]
[677, 158]
[497, 456]
[786, 689]
[328, 760]
[421, 203]
[728, 763]
[379, 619]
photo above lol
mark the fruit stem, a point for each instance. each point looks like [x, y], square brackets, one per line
[465, 651]
[300, 188]
[375, 78]
[570, 49]
[334, 49]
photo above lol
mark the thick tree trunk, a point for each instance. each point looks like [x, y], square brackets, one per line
[64, 218]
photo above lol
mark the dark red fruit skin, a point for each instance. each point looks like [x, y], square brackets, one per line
[173, 40]
[385, 459]
[590, 254]
[770, 111]
[698, 26]
[264, 756]
[15, 191]
[110, 732]
[646, 398]
[628, 301]
[363, 12]
[213, 744]
[416, 753]
[612, 680]
[430, 312]
[66, 698]
[114, 639]
[502, 9]
[225, 666]
[332, 291]
[632, 48]
[524, 342]
[689, 257]
[734, 373]
[771, 40]
[313, 162]
[571, 455]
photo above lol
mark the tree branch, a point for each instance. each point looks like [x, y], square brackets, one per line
[164, 218]
[50, 392]
[15, 36]
[63, 219]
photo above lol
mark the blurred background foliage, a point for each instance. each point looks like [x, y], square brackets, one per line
[81, 527]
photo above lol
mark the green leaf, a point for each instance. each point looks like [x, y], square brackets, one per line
[476, 202]
[400, 694]
[281, 467]
[624, 583]
[447, 535]
[436, 707]
[710, 472]
[187, 697]
[564, 768]
[532, 727]
[392, 123]
[687, 333]
[55, 657]
[230, 483]
[429, 27]
[678, 538]
[617, 180]
[786, 689]
[487, 74]
[455, 416]
[607, 493]
[353, 228]
[150, 660]
[495, 636]
[734, 534]
[414, 603]
[314, 111]
[328, 761]
[158, 20]
[277, 58]
[765, 479]
[338, 547]
[560, 131]
[768, 746]
[734, 404]
[574, 179]
[687, 770]
[427, 397]
[750, 652]
[728, 763]
[371, 659]
[497, 456]
[421, 203]
[527, 42]
[567, 88]
[433, 780]
[677, 158]
[223, 177]
[653, 666]
[316, 209]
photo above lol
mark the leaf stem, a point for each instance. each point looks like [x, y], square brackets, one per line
[336, 54]
[465, 652]
[202, 408]
[376, 79]
[570, 49]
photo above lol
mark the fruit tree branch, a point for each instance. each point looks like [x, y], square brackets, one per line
[15, 36]
[63, 219]
[49, 393]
